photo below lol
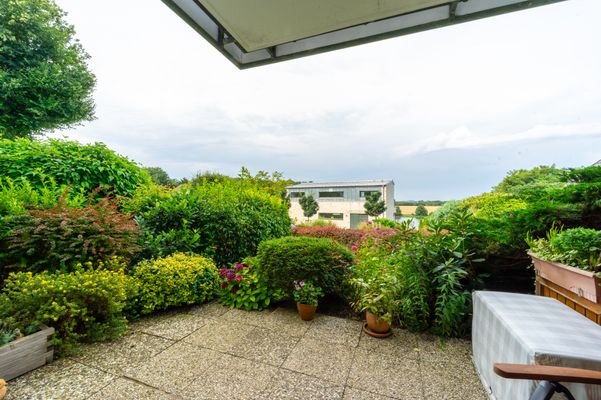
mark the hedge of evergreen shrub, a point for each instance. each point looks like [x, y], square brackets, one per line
[58, 238]
[225, 221]
[321, 261]
[175, 280]
[81, 167]
[83, 305]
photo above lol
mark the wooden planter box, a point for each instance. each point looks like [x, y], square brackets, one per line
[582, 283]
[27, 353]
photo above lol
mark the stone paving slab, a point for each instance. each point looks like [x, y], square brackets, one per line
[175, 368]
[125, 389]
[213, 352]
[327, 361]
[116, 356]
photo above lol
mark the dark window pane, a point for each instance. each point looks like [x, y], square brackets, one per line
[363, 193]
[331, 194]
[337, 216]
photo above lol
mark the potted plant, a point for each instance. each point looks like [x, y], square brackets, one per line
[306, 295]
[377, 297]
[571, 259]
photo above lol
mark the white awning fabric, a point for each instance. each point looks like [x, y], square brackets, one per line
[257, 32]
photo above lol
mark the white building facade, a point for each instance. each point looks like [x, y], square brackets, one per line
[342, 203]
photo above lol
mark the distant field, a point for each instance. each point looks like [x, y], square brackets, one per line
[410, 210]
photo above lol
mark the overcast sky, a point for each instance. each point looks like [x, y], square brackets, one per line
[444, 113]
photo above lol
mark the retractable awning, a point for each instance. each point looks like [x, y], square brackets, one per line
[256, 32]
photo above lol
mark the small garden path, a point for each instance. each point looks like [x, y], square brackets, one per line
[212, 352]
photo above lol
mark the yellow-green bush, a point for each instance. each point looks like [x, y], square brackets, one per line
[83, 305]
[178, 279]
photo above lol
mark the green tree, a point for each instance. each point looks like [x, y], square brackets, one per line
[373, 205]
[421, 211]
[309, 205]
[398, 213]
[160, 176]
[45, 83]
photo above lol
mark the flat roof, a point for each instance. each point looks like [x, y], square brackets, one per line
[257, 32]
[319, 185]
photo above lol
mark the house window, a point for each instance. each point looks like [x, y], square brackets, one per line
[336, 216]
[296, 195]
[364, 193]
[331, 194]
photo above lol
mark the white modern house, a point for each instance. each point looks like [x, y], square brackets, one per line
[342, 203]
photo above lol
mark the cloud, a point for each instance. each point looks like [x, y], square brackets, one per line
[464, 138]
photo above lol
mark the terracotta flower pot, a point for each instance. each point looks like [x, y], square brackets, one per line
[583, 283]
[376, 324]
[306, 311]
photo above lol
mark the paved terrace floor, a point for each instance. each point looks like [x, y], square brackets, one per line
[212, 352]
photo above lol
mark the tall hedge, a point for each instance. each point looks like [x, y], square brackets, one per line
[225, 221]
[81, 167]
[322, 261]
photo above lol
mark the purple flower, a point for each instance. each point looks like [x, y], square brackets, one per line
[230, 274]
[238, 278]
[223, 272]
[354, 247]
[238, 267]
[224, 285]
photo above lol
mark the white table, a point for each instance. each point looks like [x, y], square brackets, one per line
[527, 329]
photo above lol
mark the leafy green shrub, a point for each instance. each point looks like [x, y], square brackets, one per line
[321, 261]
[422, 278]
[18, 195]
[58, 238]
[243, 287]
[83, 305]
[521, 180]
[224, 221]
[347, 237]
[178, 279]
[577, 247]
[386, 223]
[81, 167]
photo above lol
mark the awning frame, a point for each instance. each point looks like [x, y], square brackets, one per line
[450, 13]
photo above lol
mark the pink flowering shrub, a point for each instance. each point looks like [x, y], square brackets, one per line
[352, 238]
[346, 237]
[243, 287]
